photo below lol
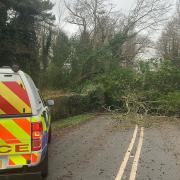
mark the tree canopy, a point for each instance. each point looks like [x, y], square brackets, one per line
[20, 21]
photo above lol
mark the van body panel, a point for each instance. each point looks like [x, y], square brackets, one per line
[20, 107]
[14, 99]
[15, 141]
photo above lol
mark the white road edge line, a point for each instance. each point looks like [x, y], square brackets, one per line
[127, 155]
[137, 156]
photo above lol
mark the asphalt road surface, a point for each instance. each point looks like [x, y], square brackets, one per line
[107, 149]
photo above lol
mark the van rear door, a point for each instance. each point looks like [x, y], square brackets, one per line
[15, 122]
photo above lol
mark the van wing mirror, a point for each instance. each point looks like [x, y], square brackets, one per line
[50, 102]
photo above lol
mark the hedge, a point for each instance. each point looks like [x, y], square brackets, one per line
[66, 106]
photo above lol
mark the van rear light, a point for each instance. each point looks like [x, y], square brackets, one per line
[36, 136]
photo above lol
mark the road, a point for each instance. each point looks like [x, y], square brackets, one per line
[106, 149]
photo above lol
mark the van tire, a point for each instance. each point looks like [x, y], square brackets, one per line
[44, 170]
[50, 135]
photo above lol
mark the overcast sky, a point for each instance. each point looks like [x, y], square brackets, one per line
[122, 5]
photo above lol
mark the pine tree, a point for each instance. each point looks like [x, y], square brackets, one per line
[19, 22]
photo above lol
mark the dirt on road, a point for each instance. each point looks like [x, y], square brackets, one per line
[101, 149]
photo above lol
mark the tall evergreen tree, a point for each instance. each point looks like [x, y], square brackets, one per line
[19, 23]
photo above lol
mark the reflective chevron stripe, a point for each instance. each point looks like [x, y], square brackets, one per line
[11, 163]
[6, 107]
[43, 123]
[14, 98]
[19, 90]
[24, 124]
[15, 160]
[35, 119]
[35, 158]
[2, 112]
[14, 131]
[7, 136]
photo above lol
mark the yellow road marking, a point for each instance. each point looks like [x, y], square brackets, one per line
[137, 156]
[127, 155]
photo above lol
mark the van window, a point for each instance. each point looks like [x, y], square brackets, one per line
[14, 99]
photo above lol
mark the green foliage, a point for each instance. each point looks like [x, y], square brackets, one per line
[161, 88]
[116, 43]
[19, 22]
[57, 77]
[98, 62]
[85, 62]
[61, 49]
[119, 83]
[153, 88]
[97, 98]
[78, 65]
[172, 102]
[166, 79]
[167, 104]
[76, 104]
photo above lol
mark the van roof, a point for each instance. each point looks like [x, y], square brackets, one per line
[6, 70]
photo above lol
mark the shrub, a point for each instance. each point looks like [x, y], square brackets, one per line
[170, 103]
[155, 89]
[119, 83]
[61, 108]
[78, 104]
[66, 106]
[97, 98]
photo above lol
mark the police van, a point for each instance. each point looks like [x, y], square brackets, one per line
[25, 125]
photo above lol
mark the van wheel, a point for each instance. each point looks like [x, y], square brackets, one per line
[44, 170]
[50, 135]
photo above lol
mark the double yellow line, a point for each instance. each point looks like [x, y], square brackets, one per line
[128, 153]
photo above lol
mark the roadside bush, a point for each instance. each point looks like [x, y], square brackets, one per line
[55, 77]
[149, 90]
[119, 83]
[165, 79]
[78, 104]
[96, 98]
[66, 106]
[170, 104]
[61, 108]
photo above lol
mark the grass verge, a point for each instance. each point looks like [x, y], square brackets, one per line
[72, 121]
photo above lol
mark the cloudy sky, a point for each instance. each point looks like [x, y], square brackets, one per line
[122, 5]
